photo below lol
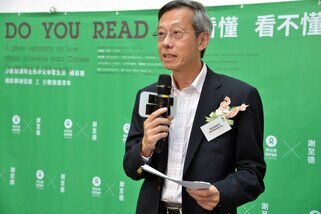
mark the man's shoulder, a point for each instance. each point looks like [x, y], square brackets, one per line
[230, 82]
[235, 81]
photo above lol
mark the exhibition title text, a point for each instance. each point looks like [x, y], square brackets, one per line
[62, 30]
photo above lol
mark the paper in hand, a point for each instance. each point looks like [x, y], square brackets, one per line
[187, 184]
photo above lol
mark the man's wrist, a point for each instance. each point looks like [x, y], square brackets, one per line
[147, 153]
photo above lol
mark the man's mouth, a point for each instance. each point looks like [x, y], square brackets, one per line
[169, 56]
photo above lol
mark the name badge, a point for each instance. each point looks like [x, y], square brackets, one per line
[215, 128]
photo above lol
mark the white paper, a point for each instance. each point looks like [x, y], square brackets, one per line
[215, 128]
[187, 184]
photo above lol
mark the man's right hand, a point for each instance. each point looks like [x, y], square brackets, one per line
[155, 128]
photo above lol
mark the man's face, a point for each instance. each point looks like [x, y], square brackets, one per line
[181, 54]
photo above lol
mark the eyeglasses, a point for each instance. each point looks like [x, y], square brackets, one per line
[175, 34]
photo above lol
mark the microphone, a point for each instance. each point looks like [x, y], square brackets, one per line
[164, 87]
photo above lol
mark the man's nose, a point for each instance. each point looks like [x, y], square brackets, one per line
[168, 41]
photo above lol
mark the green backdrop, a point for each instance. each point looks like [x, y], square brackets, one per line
[67, 88]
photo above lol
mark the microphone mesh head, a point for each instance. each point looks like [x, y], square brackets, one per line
[164, 84]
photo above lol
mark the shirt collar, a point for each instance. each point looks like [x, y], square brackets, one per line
[198, 82]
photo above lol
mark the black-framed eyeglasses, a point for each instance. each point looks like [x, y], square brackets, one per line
[176, 34]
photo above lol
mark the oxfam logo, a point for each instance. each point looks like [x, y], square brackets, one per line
[40, 175]
[68, 123]
[271, 141]
[126, 128]
[314, 212]
[96, 181]
[16, 119]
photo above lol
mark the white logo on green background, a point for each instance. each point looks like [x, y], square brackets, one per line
[68, 123]
[16, 119]
[68, 131]
[96, 190]
[96, 181]
[40, 174]
[40, 184]
[271, 141]
[126, 128]
[271, 152]
[16, 124]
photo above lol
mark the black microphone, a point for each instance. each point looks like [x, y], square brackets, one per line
[164, 87]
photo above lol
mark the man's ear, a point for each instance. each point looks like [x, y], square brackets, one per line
[203, 39]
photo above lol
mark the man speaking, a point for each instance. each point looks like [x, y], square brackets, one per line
[216, 135]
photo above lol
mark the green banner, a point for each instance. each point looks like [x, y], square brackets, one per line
[68, 83]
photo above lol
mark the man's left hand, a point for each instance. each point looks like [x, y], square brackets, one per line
[206, 198]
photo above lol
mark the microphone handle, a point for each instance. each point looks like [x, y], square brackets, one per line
[164, 103]
[159, 145]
